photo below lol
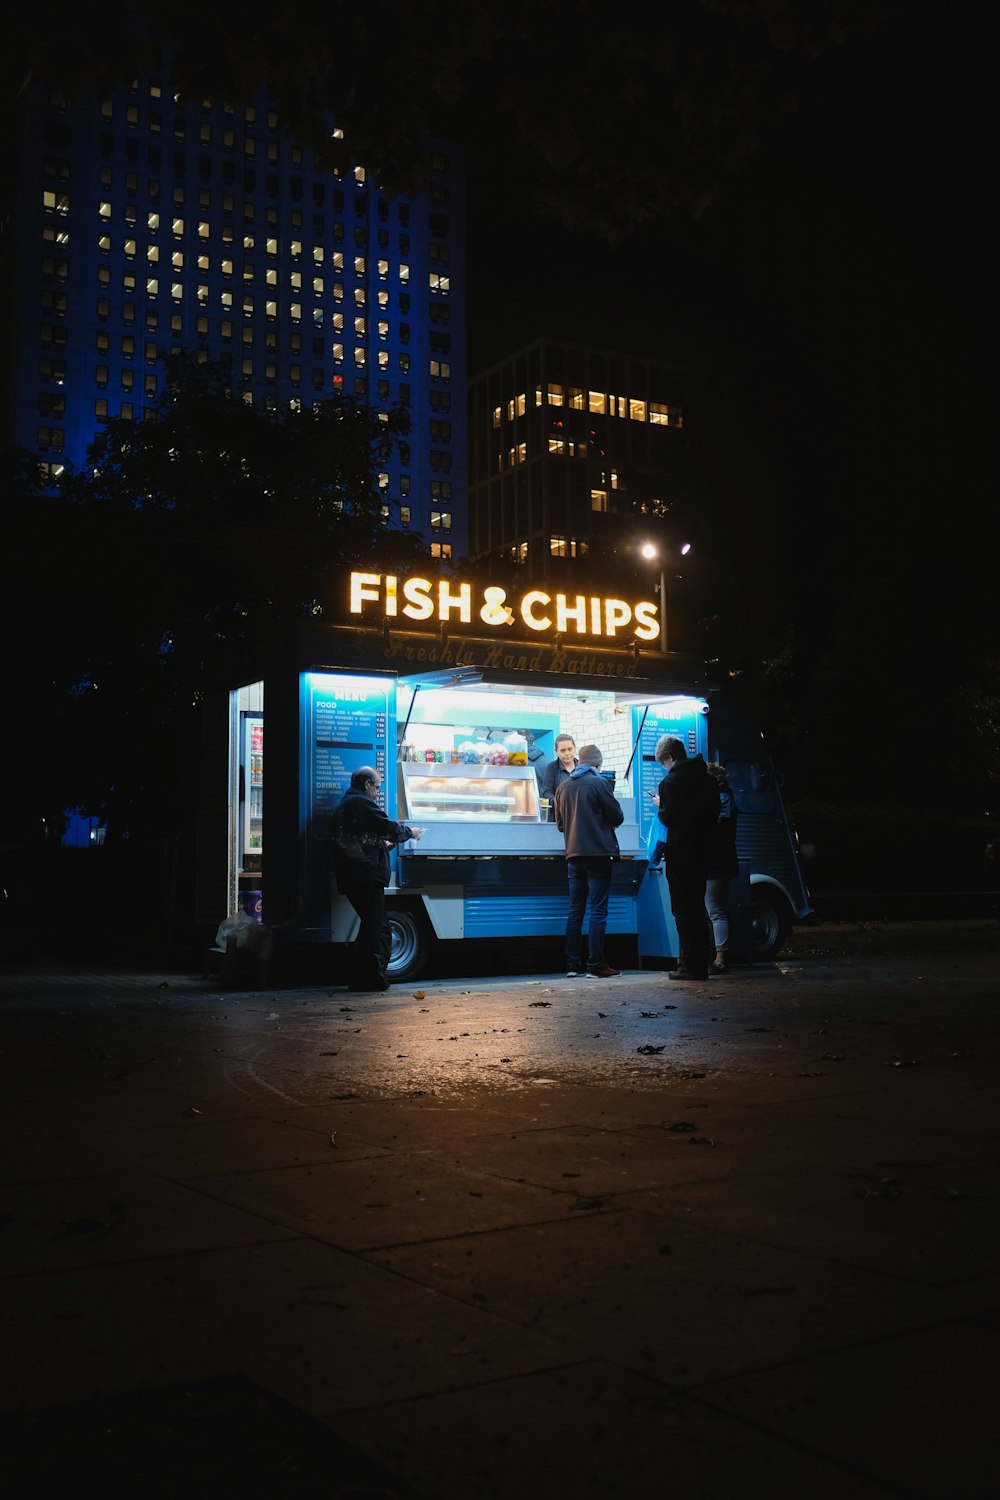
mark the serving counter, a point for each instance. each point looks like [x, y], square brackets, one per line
[482, 811]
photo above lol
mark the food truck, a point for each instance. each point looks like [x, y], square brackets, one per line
[455, 692]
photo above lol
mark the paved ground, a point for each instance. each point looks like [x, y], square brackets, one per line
[509, 1238]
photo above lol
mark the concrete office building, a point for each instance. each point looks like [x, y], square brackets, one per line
[140, 223]
[563, 439]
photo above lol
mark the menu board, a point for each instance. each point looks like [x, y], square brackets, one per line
[684, 720]
[348, 722]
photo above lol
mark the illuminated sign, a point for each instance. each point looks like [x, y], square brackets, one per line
[384, 595]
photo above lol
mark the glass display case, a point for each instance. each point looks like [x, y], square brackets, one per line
[439, 793]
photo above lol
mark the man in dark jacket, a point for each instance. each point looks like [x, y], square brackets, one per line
[688, 805]
[362, 837]
[587, 814]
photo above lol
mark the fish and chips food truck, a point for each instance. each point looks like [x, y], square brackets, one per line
[455, 692]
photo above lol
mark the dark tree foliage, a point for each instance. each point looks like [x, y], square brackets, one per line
[163, 568]
[617, 120]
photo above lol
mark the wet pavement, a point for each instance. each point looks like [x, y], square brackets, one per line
[510, 1237]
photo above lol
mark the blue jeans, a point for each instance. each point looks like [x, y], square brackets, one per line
[589, 879]
[717, 906]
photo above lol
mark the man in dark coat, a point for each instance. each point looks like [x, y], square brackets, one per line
[587, 813]
[688, 806]
[362, 837]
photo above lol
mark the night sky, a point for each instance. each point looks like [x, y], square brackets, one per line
[832, 310]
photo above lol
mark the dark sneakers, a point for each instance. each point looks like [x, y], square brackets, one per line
[683, 973]
[603, 971]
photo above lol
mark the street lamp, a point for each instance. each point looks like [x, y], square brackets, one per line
[652, 552]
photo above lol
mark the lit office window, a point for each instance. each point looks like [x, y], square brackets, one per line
[439, 284]
[359, 174]
[359, 328]
[152, 286]
[203, 230]
[270, 308]
[383, 359]
[599, 500]
[404, 273]
[496, 416]
[360, 265]
[440, 549]
[178, 226]
[177, 260]
[555, 393]
[317, 286]
[383, 330]
[637, 410]
[152, 251]
[359, 358]
[441, 520]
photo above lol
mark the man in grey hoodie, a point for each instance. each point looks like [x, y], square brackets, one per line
[587, 814]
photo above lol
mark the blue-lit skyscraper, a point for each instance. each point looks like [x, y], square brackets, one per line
[141, 224]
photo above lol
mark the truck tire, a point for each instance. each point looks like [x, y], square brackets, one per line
[770, 923]
[411, 941]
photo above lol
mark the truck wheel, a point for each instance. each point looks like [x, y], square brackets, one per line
[411, 942]
[770, 923]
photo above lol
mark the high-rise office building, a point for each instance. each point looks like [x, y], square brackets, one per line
[564, 439]
[140, 223]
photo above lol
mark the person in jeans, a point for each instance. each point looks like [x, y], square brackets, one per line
[587, 814]
[362, 837]
[723, 865]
